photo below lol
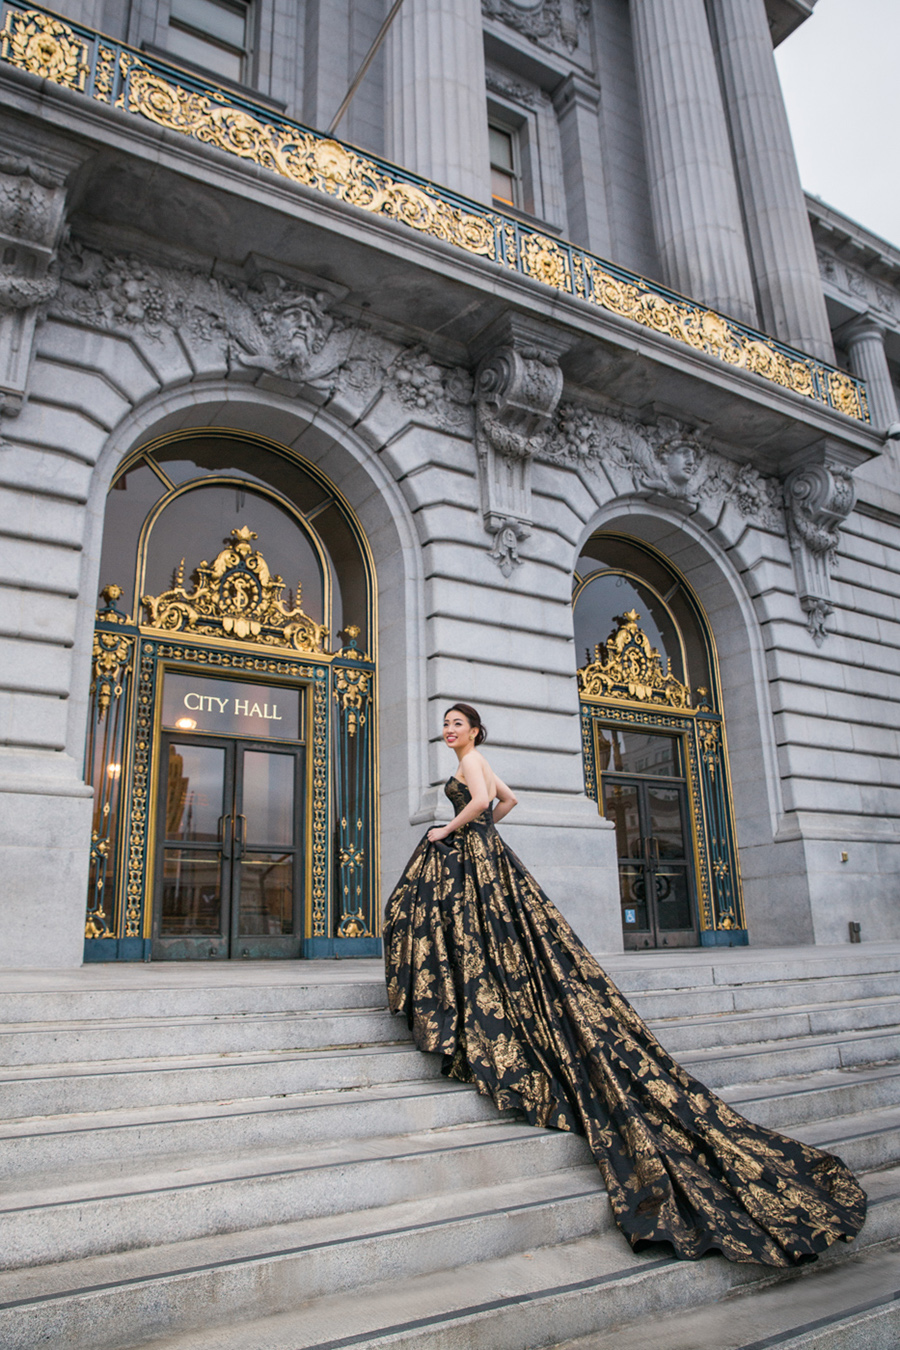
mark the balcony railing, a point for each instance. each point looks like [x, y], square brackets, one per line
[80, 59]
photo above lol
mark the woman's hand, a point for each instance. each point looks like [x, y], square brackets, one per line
[438, 833]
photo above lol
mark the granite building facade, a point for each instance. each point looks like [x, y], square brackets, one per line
[534, 380]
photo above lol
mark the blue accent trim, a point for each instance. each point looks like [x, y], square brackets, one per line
[116, 949]
[733, 937]
[336, 949]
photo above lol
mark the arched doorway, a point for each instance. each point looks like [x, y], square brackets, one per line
[654, 745]
[231, 739]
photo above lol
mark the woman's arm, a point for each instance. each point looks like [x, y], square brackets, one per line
[507, 799]
[480, 801]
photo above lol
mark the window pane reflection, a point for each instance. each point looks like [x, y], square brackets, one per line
[625, 750]
[267, 895]
[268, 800]
[611, 594]
[194, 789]
[191, 894]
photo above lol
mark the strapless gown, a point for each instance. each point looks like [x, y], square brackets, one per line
[490, 975]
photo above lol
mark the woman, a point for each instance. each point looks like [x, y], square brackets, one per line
[490, 975]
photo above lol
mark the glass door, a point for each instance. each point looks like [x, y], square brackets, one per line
[644, 794]
[229, 849]
[655, 880]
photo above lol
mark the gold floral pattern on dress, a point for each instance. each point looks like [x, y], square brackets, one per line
[489, 974]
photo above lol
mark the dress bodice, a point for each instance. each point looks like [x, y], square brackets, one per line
[460, 796]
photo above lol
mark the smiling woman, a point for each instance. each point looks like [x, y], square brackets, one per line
[489, 975]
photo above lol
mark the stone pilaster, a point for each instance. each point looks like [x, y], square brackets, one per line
[577, 106]
[436, 118]
[693, 193]
[782, 255]
[863, 339]
[32, 220]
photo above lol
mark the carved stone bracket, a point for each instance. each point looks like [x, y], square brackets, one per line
[517, 389]
[32, 221]
[818, 499]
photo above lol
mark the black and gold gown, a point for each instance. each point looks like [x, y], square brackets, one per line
[490, 975]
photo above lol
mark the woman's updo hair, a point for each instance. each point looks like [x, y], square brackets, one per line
[473, 718]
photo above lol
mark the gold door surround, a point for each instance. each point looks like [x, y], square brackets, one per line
[234, 623]
[629, 685]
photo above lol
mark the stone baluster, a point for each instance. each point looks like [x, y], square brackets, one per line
[693, 192]
[436, 113]
[791, 302]
[863, 339]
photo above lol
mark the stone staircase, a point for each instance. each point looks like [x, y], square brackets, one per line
[255, 1156]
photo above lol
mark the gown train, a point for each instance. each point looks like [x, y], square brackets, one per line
[489, 974]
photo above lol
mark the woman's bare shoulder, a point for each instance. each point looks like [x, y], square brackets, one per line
[475, 758]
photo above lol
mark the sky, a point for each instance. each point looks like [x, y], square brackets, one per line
[840, 72]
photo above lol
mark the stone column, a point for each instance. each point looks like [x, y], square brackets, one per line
[791, 302]
[436, 111]
[693, 193]
[864, 340]
[577, 107]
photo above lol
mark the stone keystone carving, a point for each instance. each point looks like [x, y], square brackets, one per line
[32, 220]
[517, 389]
[818, 498]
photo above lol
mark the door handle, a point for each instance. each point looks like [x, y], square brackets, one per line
[225, 824]
[240, 833]
[652, 848]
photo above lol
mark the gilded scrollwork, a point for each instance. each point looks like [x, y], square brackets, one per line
[235, 597]
[45, 46]
[626, 666]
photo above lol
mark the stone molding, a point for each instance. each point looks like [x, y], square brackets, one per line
[289, 339]
[665, 457]
[555, 24]
[32, 223]
[864, 289]
[269, 330]
[518, 385]
[669, 459]
[818, 499]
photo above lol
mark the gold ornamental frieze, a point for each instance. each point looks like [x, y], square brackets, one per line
[626, 666]
[235, 597]
[111, 73]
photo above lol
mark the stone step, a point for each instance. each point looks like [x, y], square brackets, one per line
[196, 1198]
[866, 1140]
[734, 1029]
[120, 1084]
[663, 1003]
[719, 1065]
[113, 1300]
[752, 979]
[87, 1210]
[74, 1041]
[580, 1288]
[851, 1306]
[735, 967]
[785, 1102]
[79, 1042]
[114, 1139]
[57, 1089]
[191, 989]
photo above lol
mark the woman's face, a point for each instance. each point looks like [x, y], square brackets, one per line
[458, 731]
